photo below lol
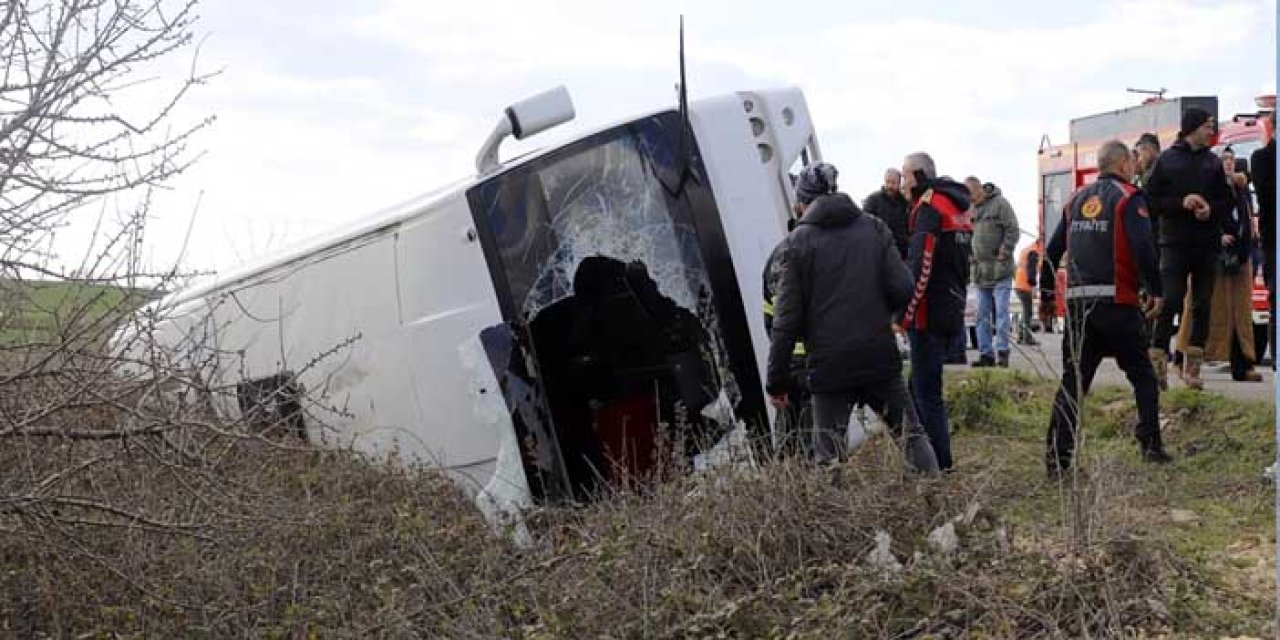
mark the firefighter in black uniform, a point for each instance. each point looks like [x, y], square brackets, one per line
[1112, 259]
[796, 419]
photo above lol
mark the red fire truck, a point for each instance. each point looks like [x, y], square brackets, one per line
[1067, 167]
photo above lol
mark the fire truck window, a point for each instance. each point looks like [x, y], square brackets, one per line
[1057, 188]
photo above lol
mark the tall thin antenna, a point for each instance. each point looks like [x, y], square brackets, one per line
[684, 89]
[685, 127]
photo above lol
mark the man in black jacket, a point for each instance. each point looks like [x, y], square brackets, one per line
[1108, 228]
[1263, 165]
[941, 231]
[1188, 194]
[889, 205]
[841, 283]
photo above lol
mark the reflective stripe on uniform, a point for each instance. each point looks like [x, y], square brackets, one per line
[799, 349]
[1091, 291]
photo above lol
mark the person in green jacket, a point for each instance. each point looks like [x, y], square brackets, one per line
[995, 236]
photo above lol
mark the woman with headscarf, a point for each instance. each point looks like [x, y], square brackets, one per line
[1231, 313]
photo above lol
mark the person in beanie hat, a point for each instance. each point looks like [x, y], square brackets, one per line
[1193, 119]
[815, 180]
[840, 282]
[1190, 198]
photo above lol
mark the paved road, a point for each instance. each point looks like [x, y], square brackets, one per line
[1047, 360]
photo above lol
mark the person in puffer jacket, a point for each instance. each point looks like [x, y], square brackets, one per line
[841, 282]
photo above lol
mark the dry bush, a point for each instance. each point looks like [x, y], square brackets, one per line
[273, 542]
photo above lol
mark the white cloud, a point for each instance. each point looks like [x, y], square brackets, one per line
[979, 97]
[301, 145]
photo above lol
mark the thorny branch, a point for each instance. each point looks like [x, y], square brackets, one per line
[91, 126]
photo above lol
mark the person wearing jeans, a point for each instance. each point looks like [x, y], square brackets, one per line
[993, 309]
[928, 352]
[995, 236]
[938, 257]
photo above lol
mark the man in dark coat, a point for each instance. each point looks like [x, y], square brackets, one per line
[1189, 196]
[1263, 165]
[888, 204]
[842, 281]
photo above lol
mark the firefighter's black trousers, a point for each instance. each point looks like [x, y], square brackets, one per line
[1098, 329]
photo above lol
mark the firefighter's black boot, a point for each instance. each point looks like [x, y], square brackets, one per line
[1153, 451]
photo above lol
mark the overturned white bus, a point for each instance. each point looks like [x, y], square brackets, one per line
[531, 328]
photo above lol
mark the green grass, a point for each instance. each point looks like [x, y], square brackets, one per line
[45, 312]
[1221, 447]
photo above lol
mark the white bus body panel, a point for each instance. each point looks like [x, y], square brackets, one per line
[398, 301]
[751, 186]
[383, 327]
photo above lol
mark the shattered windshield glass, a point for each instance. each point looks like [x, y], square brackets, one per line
[604, 201]
[609, 197]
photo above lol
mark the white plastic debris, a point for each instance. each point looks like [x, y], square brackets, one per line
[732, 451]
[881, 557]
[721, 410]
[871, 421]
[944, 539]
[857, 432]
[863, 424]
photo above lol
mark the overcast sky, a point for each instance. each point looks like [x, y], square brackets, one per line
[328, 110]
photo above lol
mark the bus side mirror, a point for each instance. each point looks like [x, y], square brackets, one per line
[523, 119]
[532, 116]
